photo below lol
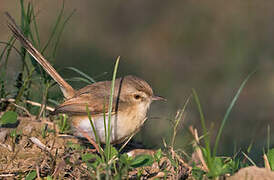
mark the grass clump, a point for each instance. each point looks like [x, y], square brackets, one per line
[214, 165]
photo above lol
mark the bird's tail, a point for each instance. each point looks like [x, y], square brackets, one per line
[67, 90]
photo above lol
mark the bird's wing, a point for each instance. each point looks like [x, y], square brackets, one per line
[95, 97]
[79, 104]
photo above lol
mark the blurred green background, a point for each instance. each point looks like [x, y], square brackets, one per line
[176, 46]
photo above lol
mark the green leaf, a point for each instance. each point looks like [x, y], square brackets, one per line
[125, 159]
[113, 151]
[218, 167]
[13, 133]
[270, 157]
[91, 160]
[9, 117]
[74, 146]
[158, 155]
[142, 160]
[31, 175]
[49, 178]
[87, 157]
[197, 173]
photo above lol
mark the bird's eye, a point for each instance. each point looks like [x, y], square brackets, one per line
[137, 96]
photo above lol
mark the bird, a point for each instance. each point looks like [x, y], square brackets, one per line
[132, 98]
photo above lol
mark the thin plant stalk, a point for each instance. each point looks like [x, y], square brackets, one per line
[228, 113]
[110, 108]
[60, 32]
[249, 159]
[7, 49]
[89, 79]
[65, 117]
[53, 32]
[205, 131]
[104, 114]
[95, 132]
[44, 100]
[268, 137]
[177, 120]
[22, 89]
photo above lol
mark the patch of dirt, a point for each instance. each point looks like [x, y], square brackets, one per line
[19, 155]
[28, 149]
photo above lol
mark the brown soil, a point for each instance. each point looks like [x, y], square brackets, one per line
[19, 155]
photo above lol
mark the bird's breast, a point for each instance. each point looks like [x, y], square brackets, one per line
[123, 123]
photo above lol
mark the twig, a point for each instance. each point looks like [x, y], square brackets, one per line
[6, 146]
[27, 101]
[44, 101]
[39, 105]
[136, 152]
[6, 175]
[198, 150]
[248, 158]
[38, 143]
[37, 172]
[66, 136]
[125, 143]
[21, 107]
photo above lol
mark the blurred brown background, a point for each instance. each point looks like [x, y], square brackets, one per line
[176, 46]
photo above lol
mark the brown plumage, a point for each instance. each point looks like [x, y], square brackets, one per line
[96, 96]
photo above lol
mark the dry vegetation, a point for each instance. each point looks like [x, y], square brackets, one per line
[48, 153]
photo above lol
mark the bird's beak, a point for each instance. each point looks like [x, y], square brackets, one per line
[158, 98]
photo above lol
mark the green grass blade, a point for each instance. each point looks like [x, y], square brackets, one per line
[53, 32]
[268, 138]
[22, 14]
[90, 79]
[60, 32]
[36, 31]
[93, 129]
[205, 131]
[56, 103]
[110, 108]
[249, 147]
[104, 114]
[7, 49]
[25, 22]
[250, 160]
[78, 79]
[29, 19]
[228, 113]
[13, 47]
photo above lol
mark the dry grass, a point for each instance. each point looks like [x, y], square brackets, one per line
[28, 150]
[20, 155]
